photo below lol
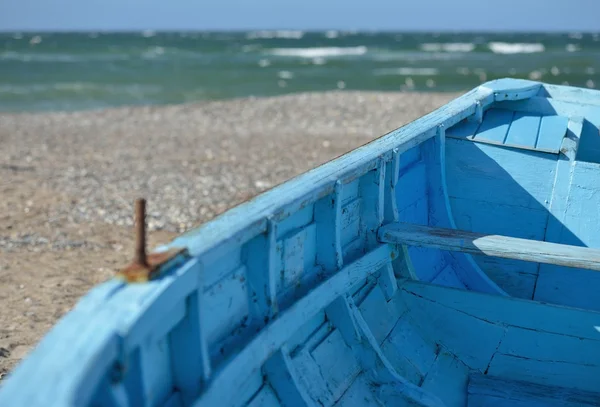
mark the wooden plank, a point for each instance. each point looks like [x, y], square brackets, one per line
[491, 245]
[328, 218]
[515, 312]
[235, 373]
[284, 380]
[552, 130]
[448, 379]
[488, 391]
[523, 130]
[494, 127]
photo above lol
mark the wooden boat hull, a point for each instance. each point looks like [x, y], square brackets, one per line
[299, 297]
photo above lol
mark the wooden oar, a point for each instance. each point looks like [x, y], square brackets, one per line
[491, 245]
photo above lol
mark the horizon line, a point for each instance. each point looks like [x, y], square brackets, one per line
[305, 31]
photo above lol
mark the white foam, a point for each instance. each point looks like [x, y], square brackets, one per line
[448, 47]
[515, 48]
[80, 87]
[332, 34]
[572, 48]
[17, 36]
[287, 34]
[148, 33]
[319, 52]
[153, 52]
[406, 71]
[57, 57]
[264, 63]
[36, 39]
[285, 74]
[535, 75]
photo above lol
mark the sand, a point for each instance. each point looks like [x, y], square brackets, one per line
[68, 182]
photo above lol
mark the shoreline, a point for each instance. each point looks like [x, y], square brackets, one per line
[69, 180]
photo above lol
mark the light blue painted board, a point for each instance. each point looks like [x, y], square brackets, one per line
[340, 315]
[157, 380]
[305, 330]
[514, 311]
[589, 143]
[349, 192]
[440, 214]
[578, 203]
[446, 326]
[570, 94]
[570, 287]
[249, 389]
[221, 264]
[448, 379]
[360, 393]
[380, 316]
[476, 172]
[225, 306]
[465, 129]
[412, 201]
[394, 386]
[509, 220]
[410, 157]
[372, 187]
[265, 398]
[299, 252]
[447, 277]
[310, 378]
[412, 185]
[523, 130]
[262, 256]
[552, 131]
[550, 347]
[174, 400]
[517, 278]
[337, 363]
[512, 89]
[407, 343]
[401, 363]
[486, 391]
[582, 377]
[328, 219]
[494, 127]
[189, 351]
[350, 222]
[295, 221]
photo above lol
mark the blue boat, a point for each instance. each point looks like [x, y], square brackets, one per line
[452, 262]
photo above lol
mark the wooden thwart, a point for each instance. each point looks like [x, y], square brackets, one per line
[491, 245]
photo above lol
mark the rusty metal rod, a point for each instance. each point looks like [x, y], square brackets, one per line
[140, 233]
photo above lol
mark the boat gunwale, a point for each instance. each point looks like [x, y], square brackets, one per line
[234, 227]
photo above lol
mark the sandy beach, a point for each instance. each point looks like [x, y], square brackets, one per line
[68, 182]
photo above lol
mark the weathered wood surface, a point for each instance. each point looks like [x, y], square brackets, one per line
[289, 299]
[491, 245]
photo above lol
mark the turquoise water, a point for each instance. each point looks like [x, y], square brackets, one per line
[73, 71]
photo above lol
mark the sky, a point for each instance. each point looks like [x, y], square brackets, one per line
[398, 15]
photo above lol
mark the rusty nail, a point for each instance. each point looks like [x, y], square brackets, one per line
[140, 235]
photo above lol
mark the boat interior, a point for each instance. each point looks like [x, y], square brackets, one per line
[333, 300]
